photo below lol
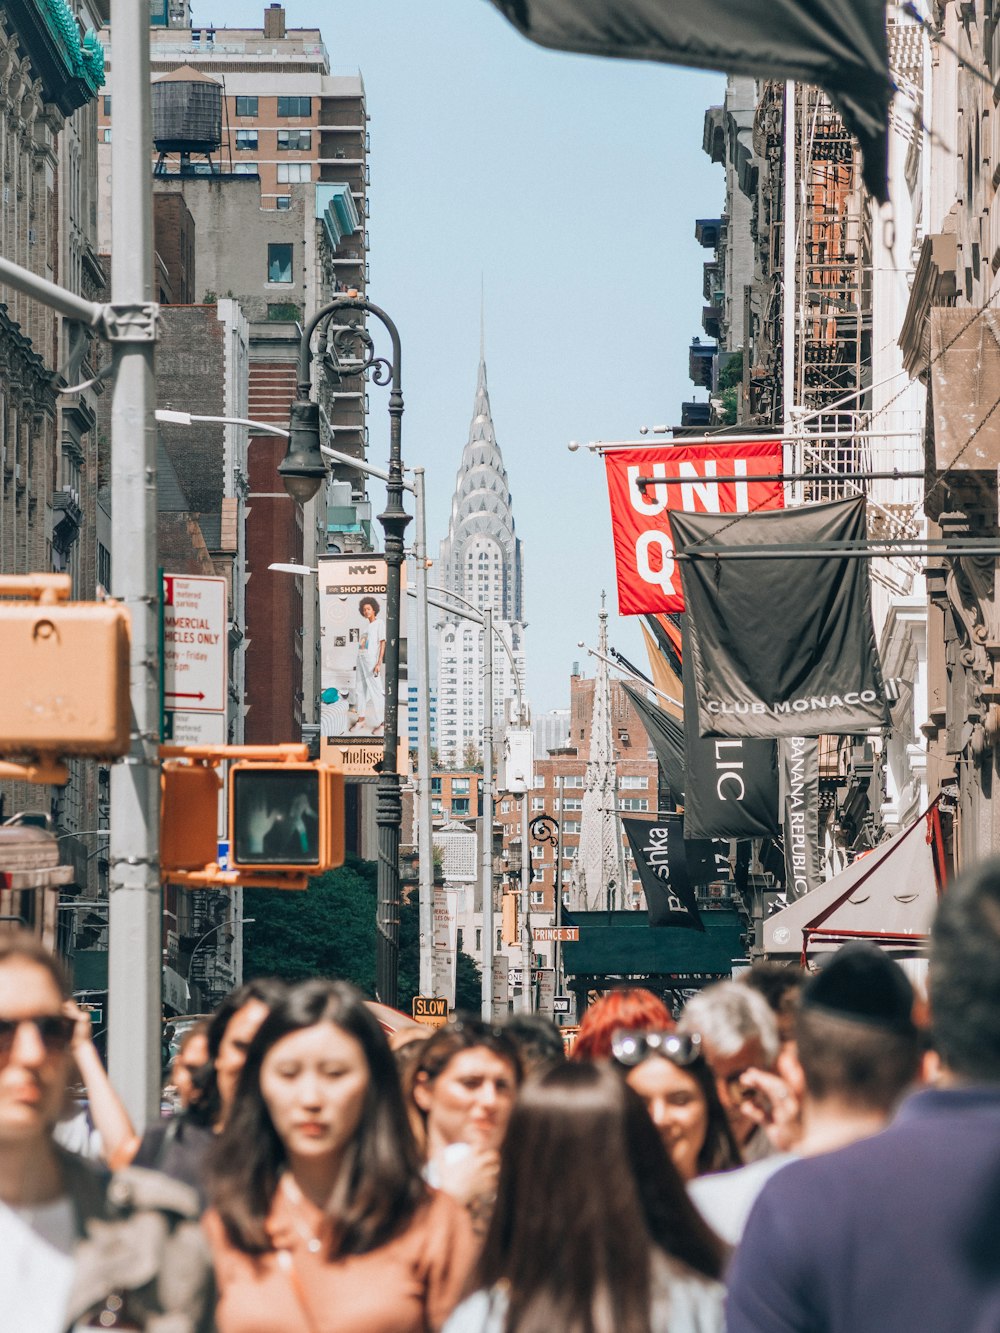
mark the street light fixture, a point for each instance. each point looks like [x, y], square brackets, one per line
[350, 352]
[219, 925]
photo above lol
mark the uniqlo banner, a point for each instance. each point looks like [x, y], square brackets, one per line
[783, 645]
[730, 785]
[800, 813]
[649, 578]
[663, 872]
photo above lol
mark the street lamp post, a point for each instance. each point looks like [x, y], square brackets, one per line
[303, 470]
[243, 921]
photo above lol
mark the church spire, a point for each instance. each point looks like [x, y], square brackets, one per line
[598, 864]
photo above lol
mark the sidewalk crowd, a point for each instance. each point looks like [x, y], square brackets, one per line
[810, 1151]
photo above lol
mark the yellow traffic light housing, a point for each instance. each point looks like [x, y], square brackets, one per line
[189, 815]
[286, 817]
[509, 931]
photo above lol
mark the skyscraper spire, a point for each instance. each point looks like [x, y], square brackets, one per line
[598, 861]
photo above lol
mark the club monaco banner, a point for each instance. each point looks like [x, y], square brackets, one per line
[648, 576]
[666, 735]
[800, 813]
[661, 858]
[783, 645]
[731, 784]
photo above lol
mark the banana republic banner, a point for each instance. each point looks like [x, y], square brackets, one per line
[731, 784]
[782, 645]
[800, 813]
[663, 871]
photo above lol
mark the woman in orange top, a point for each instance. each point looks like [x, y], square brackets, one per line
[322, 1221]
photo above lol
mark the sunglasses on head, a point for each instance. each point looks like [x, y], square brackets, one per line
[631, 1048]
[54, 1030]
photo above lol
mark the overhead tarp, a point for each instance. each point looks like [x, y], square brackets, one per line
[624, 944]
[780, 643]
[889, 895]
[839, 45]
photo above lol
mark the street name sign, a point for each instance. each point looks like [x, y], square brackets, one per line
[562, 1004]
[564, 934]
[194, 644]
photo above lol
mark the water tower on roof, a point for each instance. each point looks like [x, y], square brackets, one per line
[187, 121]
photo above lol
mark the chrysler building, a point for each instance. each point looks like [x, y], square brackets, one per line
[481, 560]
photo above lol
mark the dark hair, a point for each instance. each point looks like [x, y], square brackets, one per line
[781, 985]
[627, 1007]
[581, 1147]
[380, 1186]
[267, 990]
[18, 946]
[720, 1151]
[539, 1042]
[964, 974]
[463, 1033]
[865, 1066]
[369, 601]
[199, 1029]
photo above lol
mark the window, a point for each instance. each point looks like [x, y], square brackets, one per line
[537, 897]
[246, 141]
[538, 802]
[290, 173]
[279, 263]
[537, 877]
[435, 807]
[436, 786]
[499, 938]
[634, 803]
[505, 807]
[539, 780]
[294, 106]
[244, 168]
[537, 852]
[107, 136]
[460, 806]
[460, 786]
[461, 939]
[627, 783]
[107, 104]
[571, 826]
[573, 780]
[246, 106]
[479, 939]
[572, 803]
[283, 201]
[294, 141]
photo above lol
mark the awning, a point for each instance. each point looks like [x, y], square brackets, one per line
[623, 944]
[888, 896]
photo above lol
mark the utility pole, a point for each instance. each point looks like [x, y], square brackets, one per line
[135, 912]
[487, 819]
[527, 992]
[425, 837]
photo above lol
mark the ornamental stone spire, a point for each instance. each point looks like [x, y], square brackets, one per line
[598, 862]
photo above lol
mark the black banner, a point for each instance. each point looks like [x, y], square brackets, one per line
[839, 45]
[661, 857]
[800, 813]
[666, 735]
[782, 645]
[731, 785]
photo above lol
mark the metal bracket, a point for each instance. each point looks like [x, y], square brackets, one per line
[131, 323]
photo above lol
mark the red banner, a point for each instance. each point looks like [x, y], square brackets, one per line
[649, 579]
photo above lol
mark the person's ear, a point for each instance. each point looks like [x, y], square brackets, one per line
[790, 1069]
[422, 1094]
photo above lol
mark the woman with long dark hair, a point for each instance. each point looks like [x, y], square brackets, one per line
[322, 1221]
[674, 1080]
[592, 1231]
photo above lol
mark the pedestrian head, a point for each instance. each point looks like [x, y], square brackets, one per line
[231, 1029]
[35, 1039]
[780, 984]
[319, 1091]
[464, 1085]
[673, 1078]
[629, 1007]
[539, 1042]
[368, 607]
[190, 1068]
[738, 1032]
[857, 1043]
[582, 1155]
[964, 975]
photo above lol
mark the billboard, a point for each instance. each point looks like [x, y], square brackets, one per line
[352, 591]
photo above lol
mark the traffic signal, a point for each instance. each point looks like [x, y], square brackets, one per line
[285, 817]
[509, 932]
[189, 815]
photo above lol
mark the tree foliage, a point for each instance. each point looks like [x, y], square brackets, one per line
[329, 931]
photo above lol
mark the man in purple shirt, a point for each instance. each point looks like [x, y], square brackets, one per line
[899, 1232]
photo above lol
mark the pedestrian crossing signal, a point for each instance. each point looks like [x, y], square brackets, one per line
[286, 817]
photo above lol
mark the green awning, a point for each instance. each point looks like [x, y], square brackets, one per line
[624, 944]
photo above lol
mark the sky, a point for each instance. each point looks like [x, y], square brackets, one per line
[567, 187]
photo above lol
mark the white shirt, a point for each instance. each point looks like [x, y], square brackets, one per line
[36, 1265]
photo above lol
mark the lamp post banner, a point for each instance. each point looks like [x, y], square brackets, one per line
[649, 578]
[800, 813]
[661, 858]
[352, 592]
[731, 784]
[777, 650]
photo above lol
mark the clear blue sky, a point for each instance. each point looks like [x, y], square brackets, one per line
[572, 186]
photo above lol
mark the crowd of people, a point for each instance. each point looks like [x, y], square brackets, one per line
[810, 1150]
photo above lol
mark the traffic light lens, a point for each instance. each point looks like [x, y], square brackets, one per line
[276, 817]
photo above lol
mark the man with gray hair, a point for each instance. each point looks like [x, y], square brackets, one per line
[738, 1032]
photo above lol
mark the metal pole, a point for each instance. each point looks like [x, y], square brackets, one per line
[425, 839]
[487, 851]
[527, 997]
[557, 952]
[135, 914]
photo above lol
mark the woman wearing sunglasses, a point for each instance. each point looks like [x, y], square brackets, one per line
[592, 1227]
[672, 1077]
[322, 1220]
[78, 1250]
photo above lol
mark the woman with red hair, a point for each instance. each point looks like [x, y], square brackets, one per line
[635, 1009]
